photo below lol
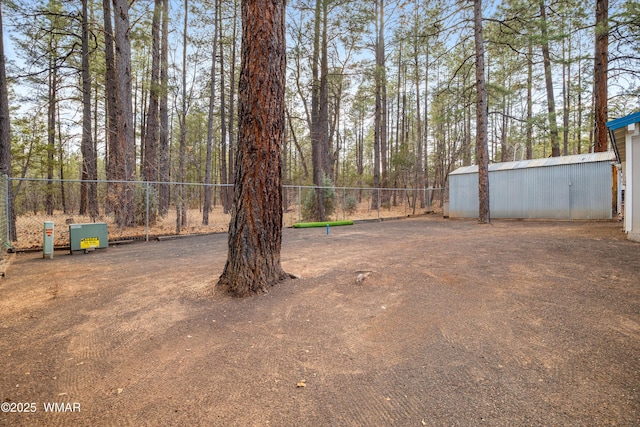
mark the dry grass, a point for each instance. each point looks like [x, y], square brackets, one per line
[30, 226]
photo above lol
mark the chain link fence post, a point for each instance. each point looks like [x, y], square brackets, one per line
[299, 203]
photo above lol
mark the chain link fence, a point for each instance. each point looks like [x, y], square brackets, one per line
[5, 213]
[163, 210]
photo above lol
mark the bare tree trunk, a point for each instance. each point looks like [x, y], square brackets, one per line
[89, 158]
[224, 175]
[482, 149]
[601, 65]
[255, 230]
[504, 149]
[60, 152]
[419, 173]
[466, 151]
[163, 155]
[380, 114]
[51, 135]
[112, 153]
[232, 109]
[566, 96]
[181, 217]
[125, 208]
[426, 118]
[551, 104]
[375, 202]
[212, 99]
[5, 132]
[150, 164]
[579, 111]
[317, 142]
[323, 107]
[529, 132]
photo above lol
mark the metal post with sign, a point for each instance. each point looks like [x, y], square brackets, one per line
[47, 247]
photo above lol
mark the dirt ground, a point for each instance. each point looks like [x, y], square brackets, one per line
[516, 323]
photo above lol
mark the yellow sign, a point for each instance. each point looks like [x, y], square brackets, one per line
[89, 242]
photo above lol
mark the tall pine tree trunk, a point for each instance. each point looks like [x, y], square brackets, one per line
[89, 157]
[419, 174]
[163, 148]
[224, 174]
[317, 141]
[5, 132]
[551, 103]
[212, 99]
[125, 169]
[482, 149]
[380, 115]
[601, 65]
[181, 208]
[232, 109]
[111, 107]
[529, 131]
[255, 229]
[323, 107]
[150, 165]
[51, 133]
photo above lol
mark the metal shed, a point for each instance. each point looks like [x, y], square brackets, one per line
[568, 188]
[625, 137]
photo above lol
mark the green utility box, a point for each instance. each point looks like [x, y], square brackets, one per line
[87, 237]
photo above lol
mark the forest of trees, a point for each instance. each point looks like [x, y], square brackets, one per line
[380, 93]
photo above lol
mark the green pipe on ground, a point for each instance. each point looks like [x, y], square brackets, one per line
[322, 224]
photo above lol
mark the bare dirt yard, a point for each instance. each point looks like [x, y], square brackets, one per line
[517, 323]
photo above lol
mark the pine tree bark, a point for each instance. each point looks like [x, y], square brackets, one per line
[5, 130]
[317, 138]
[232, 108]
[551, 103]
[224, 174]
[163, 148]
[150, 165]
[323, 107]
[89, 157]
[51, 132]
[419, 173]
[125, 169]
[482, 148]
[380, 177]
[601, 65]
[381, 106]
[529, 131]
[181, 206]
[110, 93]
[212, 99]
[255, 229]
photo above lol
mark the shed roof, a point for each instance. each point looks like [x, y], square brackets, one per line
[607, 156]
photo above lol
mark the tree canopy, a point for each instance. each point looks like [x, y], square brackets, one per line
[378, 93]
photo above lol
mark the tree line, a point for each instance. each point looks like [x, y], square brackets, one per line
[379, 93]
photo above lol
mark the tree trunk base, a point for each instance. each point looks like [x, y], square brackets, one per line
[236, 285]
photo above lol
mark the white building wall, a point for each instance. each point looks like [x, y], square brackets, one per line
[632, 181]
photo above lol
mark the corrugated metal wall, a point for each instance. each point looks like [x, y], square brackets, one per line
[563, 191]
